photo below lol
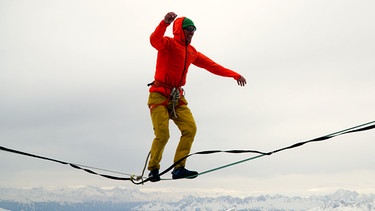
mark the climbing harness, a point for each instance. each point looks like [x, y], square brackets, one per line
[174, 97]
[141, 179]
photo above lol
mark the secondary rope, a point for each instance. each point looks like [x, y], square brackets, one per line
[141, 179]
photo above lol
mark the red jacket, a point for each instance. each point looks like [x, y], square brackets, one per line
[175, 56]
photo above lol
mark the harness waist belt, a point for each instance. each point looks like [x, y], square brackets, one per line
[162, 84]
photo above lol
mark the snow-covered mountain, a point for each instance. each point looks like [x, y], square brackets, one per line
[121, 198]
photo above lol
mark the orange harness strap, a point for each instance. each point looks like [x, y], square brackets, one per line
[165, 103]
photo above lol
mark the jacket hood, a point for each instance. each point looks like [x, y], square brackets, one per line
[178, 32]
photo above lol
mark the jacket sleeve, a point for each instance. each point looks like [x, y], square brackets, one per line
[157, 39]
[203, 61]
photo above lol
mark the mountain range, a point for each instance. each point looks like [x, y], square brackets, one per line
[122, 198]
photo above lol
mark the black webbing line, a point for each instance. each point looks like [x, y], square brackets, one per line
[363, 127]
[32, 155]
[76, 166]
[346, 131]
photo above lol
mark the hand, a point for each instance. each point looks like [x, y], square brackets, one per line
[169, 17]
[241, 81]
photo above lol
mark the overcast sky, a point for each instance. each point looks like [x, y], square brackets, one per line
[73, 78]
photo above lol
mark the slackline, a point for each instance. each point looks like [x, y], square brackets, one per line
[141, 180]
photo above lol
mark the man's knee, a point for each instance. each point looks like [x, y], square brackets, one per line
[190, 129]
[162, 135]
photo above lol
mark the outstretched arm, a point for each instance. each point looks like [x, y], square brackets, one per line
[203, 61]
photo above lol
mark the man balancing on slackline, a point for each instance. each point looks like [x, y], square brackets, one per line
[166, 99]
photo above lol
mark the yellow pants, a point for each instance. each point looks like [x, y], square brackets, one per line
[160, 116]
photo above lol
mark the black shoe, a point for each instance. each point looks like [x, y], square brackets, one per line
[154, 175]
[179, 173]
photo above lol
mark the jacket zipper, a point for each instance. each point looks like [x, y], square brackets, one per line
[183, 72]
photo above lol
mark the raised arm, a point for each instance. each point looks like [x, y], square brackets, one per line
[157, 39]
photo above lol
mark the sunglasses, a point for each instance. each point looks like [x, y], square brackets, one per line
[190, 28]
